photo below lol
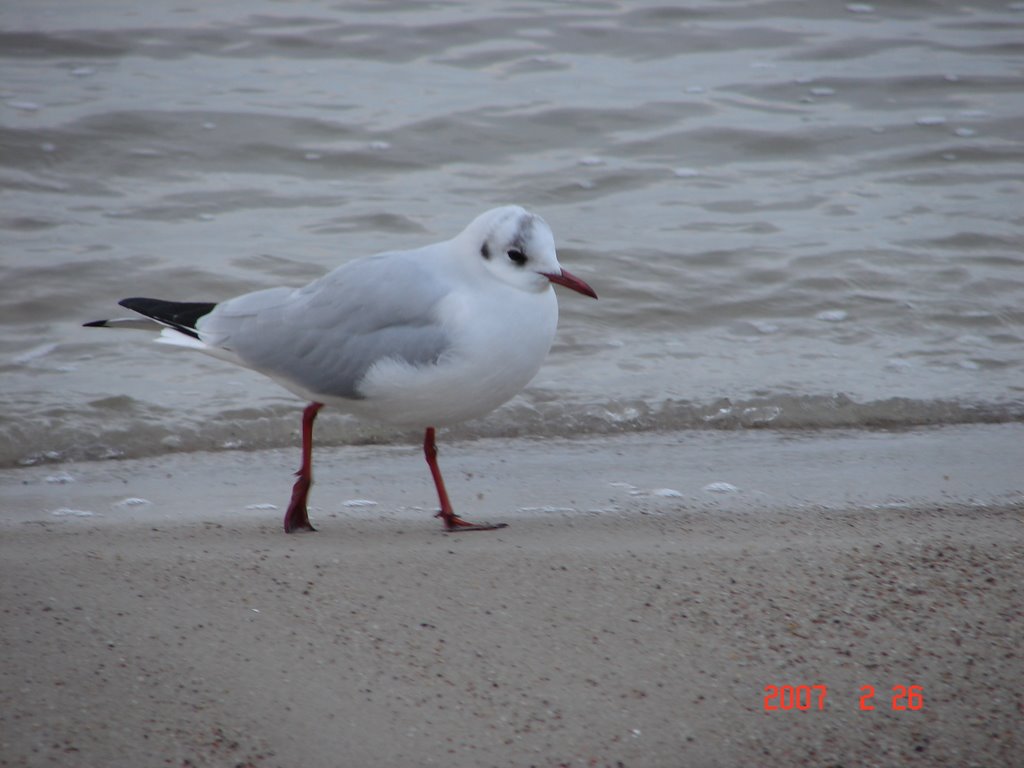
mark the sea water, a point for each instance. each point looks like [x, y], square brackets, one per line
[797, 216]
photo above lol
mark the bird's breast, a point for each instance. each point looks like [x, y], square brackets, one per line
[497, 345]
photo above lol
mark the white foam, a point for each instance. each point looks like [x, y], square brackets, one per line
[69, 512]
[24, 106]
[132, 501]
[721, 487]
[34, 354]
[832, 315]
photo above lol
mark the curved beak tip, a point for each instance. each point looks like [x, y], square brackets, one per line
[570, 280]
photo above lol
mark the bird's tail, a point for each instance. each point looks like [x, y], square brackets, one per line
[180, 316]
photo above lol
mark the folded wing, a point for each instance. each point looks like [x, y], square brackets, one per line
[325, 336]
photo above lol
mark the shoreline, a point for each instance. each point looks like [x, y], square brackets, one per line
[611, 622]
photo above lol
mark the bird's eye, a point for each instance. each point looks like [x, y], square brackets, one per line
[517, 257]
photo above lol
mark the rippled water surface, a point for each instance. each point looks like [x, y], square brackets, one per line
[797, 214]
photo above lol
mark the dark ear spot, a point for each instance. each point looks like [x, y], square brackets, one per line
[485, 251]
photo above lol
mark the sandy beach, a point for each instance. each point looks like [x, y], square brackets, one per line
[632, 613]
[765, 499]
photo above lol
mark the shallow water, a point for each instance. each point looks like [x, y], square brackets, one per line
[796, 214]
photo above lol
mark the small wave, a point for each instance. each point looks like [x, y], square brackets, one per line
[776, 412]
[133, 431]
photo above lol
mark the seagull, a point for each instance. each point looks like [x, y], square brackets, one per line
[421, 338]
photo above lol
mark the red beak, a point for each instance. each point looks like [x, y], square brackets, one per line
[570, 280]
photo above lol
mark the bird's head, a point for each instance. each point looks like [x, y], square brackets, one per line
[517, 247]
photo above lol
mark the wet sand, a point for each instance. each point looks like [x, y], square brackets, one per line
[627, 616]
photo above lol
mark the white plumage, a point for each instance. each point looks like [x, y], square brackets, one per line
[424, 338]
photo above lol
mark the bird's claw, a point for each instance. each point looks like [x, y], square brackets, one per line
[455, 524]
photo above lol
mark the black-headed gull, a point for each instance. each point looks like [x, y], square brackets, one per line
[420, 338]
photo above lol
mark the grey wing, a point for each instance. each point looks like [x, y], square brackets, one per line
[326, 336]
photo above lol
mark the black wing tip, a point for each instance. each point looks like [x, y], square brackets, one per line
[141, 303]
[179, 315]
[96, 324]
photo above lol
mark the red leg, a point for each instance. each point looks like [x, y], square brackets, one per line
[452, 522]
[297, 518]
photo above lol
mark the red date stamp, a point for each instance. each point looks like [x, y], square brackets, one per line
[806, 697]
